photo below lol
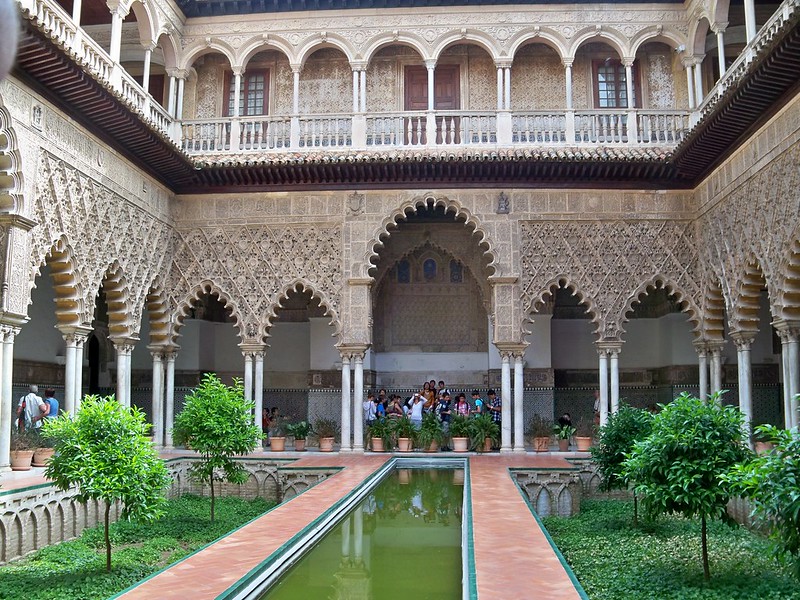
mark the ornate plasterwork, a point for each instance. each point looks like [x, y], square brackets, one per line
[256, 265]
[86, 227]
[609, 264]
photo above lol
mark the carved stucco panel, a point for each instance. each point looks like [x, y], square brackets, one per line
[537, 79]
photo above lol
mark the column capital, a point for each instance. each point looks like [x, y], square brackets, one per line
[701, 347]
[124, 344]
[503, 63]
[609, 347]
[719, 26]
[358, 65]
[430, 63]
[502, 280]
[74, 332]
[8, 330]
[789, 331]
[237, 70]
[567, 61]
[352, 351]
[511, 349]
[627, 61]
[151, 45]
[250, 348]
[18, 221]
[296, 68]
[743, 339]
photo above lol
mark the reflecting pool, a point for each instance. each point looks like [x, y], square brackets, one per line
[403, 541]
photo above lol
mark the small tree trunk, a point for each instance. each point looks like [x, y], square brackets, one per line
[635, 509]
[108, 538]
[704, 542]
[212, 497]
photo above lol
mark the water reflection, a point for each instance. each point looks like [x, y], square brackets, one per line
[403, 540]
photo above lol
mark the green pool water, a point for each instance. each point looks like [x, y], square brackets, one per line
[403, 541]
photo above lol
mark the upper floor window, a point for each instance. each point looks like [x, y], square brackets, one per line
[253, 96]
[610, 84]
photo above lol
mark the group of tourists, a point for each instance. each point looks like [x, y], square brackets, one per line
[431, 398]
[32, 410]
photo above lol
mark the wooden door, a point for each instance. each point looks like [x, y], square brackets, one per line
[447, 96]
[416, 99]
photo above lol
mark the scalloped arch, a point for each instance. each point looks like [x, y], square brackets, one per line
[656, 33]
[688, 305]
[746, 297]
[298, 285]
[117, 291]
[411, 207]
[210, 288]
[473, 36]
[404, 38]
[158, 312]
[545, 35]
[69, 302]
[608, 35]
[11, 177]
[258, 44]
[789, 295]
[331, 40]
[562, 281]
[195, 51]
[713, 315]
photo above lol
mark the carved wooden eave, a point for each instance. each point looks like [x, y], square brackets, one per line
[768, 84]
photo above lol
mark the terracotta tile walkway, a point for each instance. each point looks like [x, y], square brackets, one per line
[207, 574]
[514, 558]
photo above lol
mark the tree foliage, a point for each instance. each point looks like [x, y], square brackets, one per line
[104, 451]
[217, 422]
[772, 483]
[680, 466]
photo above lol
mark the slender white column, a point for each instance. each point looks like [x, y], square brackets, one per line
[568, 81]
[116, 33]
[248, 376]
[258, 391]
[787, 398]
[158, 397]
[347, 416]
[123, 348]
[80, 340]
[355, 91]
[237, 92]
[698, 82]
[431, 66]
[505, 403]
[603, 367]
[169, 385]
[148, 53]
[295, 90]
[76, 12]
[171, 96]
[789, 332]
[716, 369]
[358, 535]
[702, 361]
[614, 364]
[750, 20]
[179, 108]
[721, 52]
[794, 377]
[362, 88]
[358, 400]
[507, 85]
[7, 408]
[629, 83]
[69, 374]
[499, 88]
[519, 390]
[745, 377]
[689, 83]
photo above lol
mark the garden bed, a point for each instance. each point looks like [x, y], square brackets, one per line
[76, 569]
[615, 560]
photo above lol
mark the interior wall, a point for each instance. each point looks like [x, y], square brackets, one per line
[39, 340]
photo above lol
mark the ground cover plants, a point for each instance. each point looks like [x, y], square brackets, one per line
[75, 570]
[616, 560]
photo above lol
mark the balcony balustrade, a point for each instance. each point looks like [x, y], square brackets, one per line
[359, 131]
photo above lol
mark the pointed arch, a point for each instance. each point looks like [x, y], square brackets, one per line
[301, 285]
[548, 290]
[686, 302]
[117, 291]
[11, 178]
[410, 207]
[70, 306]
[465, 36]
[610, 36]
[210, 288]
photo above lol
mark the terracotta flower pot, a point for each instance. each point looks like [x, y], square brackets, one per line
[487, 444]
[763, 447]
[277, 444]
[300, 445]
[541, 444]
[563, 445]
[583, 443]
[377, 445]
[434, 447]
[21, 460]
[460, 444]
[326, 444]
[41, 456]
[404, 444]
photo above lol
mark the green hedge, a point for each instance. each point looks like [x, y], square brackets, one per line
[615, 560]
[75, 570]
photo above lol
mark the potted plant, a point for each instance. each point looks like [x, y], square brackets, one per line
[459, 430]
[380, 433]
[540, 430]
[430, 435]
[483, 432]
[563, 433]
[299, 431]
[404, 432]
[22, 448]
[326, 430]
[277, 435]
[584, 430]
[44, 451]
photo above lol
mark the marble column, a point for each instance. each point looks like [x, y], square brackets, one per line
[347, 416]
[296, 90]
[568, 81]
[363, 90]
[158, 395]
[603, 368]
[750, 20]
[702, 362]
[248, 375]
[431, 66]
[76, 12]
[507, 88]
[743, 340]
[789, 332]
[69, 374]
[505, 403]
[719, 30]
[716, 367]
[500, 88]
[7, 407]
[258, 389]
[124, 347]
[148, 55]
[358, 400]
[614, 368]
[519, 395]
[698, 81]
[117, 16]
[687, 64]
[171, 93]
[355, 91]
[181, 87]
[169, 385]
[80, 342]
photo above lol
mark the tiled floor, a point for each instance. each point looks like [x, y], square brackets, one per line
[515, 560]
